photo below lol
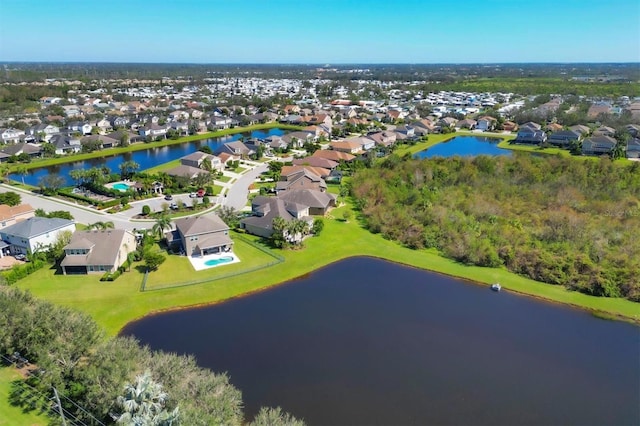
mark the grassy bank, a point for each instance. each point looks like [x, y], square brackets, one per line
[113, 305]
[9, 414]
[45, 162]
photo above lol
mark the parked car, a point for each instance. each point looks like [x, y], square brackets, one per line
[193, 195]
[201, 193]
[173, 206]
[168, 197]
[20, 257]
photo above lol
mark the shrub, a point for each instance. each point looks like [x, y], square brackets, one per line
[18, 272]
[146, 210]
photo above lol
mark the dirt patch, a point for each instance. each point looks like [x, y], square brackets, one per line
[6, 262]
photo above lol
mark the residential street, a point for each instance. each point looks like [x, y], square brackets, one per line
[238, 194]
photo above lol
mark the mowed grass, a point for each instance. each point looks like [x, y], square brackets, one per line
[9, 414]
[178, 270]
[115, 304]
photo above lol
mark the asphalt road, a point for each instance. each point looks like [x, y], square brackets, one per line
[239, 193]
[81, 214]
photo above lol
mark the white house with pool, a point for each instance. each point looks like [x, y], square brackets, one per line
[204, 239]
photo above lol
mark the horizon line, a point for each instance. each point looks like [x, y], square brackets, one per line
[325, 64]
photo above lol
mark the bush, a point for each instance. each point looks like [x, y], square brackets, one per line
[146, 210]
[18, 272]
[111, 276]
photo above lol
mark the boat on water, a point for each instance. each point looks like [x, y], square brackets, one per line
[496, 287]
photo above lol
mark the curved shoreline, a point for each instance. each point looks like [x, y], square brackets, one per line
[595, 312]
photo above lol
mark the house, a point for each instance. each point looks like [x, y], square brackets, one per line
[236, 148]
[318, 202]
[117, 122]
[350, 147]
[180, 127]
[597, 109]
[563, 138]
[104, 126]
[265, 209]
[23, 148]
[530, 135]
[532, 125]
[201, 235]
[388, 138]
[633, 148]
[80, 127]
[299, 138]
[404, 132]
[598, 145]
[580, 128]
[97, 252]
[486, 123]
[65, 144]
[275, 142]
[300, 178]
[11, 135]
[198, 158]
[467, 123]
[604, 131]
[34, 233]
[633, 130]
[102, 141]
[316, 162]
[217, 123]
[333, 155]
[42, 131]
[320, 171]
[447, 122]
[553, 127]
[153, 130]
[509, 126]
[10, 215]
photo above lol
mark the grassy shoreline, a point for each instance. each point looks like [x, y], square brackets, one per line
[113, 305]
[110, 152]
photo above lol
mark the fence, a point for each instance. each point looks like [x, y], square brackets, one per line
[277, 260]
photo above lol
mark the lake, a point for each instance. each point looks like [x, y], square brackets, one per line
[465, 146]
[368, 342]
[146, 158]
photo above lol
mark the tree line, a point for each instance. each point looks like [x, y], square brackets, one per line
[556, 220]
[98, 374]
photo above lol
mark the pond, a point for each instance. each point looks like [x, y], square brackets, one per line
[146, 158]
[364, 341]
[465, 146]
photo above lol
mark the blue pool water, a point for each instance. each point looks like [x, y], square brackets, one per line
[465, 146]
[121, 187]
[214, 262]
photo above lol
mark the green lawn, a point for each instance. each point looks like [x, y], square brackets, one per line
[10, 415]
[163, 167]
[224, 179]
[115, 304]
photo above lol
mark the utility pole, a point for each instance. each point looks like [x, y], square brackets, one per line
[55, 393]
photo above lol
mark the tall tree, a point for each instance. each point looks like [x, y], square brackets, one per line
[162, 223]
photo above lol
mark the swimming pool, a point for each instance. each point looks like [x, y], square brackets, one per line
[214, 262]
[121, 186]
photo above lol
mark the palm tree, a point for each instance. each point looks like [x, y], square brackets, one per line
[5, 170]
[162, 223]
[101, 225]
[23, 171]
[144, 403]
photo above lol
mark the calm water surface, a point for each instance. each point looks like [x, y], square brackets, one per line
[464, 146]
[369, 342]
[146, 158]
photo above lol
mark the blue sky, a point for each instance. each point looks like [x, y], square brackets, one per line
[328, 31]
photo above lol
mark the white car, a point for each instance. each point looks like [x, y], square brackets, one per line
[193, 195]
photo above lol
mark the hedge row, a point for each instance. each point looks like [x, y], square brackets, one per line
[21, 271]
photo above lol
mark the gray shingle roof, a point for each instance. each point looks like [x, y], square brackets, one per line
[104, 245]
[35, 226]
[200, 225]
